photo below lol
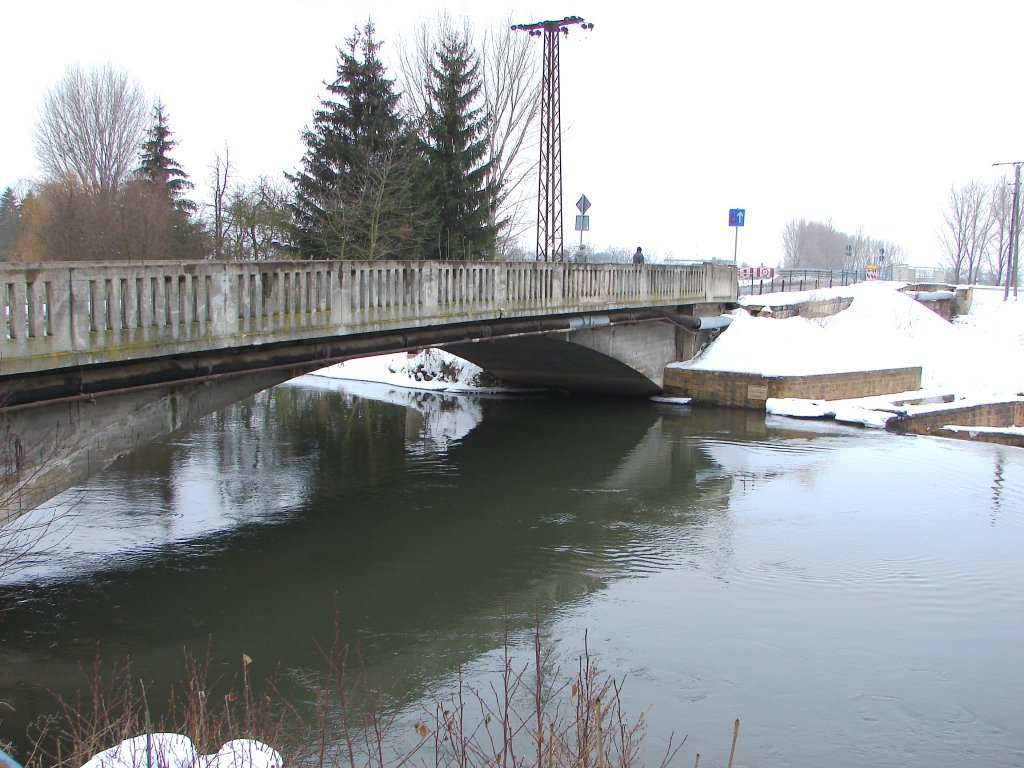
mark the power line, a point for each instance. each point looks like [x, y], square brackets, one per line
[549, 183]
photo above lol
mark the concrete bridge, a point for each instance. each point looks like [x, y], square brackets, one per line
[99, 358]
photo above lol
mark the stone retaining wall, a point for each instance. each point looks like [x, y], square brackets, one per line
[1000, 438]
[751, 390]
[1005, 414]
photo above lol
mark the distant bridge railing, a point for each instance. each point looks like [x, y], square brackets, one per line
[785, 280]
[57, 315]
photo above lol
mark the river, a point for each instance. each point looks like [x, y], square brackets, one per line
[852, 596]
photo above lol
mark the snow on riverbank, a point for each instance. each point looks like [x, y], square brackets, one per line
[431, 369]
[979, 355]
[976, 359]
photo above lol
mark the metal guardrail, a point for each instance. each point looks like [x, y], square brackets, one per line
[787, 280]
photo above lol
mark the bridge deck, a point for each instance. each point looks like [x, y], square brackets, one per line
[69, 315]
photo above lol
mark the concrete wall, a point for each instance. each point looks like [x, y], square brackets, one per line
[947, 301]
[811, 309]
[1005, 414]
[751, 390]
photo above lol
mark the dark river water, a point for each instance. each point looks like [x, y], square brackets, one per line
[855, 598]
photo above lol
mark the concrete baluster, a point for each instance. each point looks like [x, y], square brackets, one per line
[557, 283]
[302, 296]
[428, 290]
[276, 309]
[58, 309]
[346, 282]
[161, 307]
[18, 309]
[130, 297]
[146, 287]
[81, 308]
[336, 303]
[37, 306]
[263, 303]
[172, 285]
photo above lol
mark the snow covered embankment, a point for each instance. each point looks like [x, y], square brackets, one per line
[977, 359]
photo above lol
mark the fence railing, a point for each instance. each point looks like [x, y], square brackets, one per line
[785, 280]
[63, 314]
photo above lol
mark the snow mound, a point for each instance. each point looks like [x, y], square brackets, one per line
[882, 328]
[172, 750]
[981, 354]
[427, 369]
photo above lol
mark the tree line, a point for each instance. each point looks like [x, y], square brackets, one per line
[976, 235]
[975, 238]
[425, 165]
[819, 245]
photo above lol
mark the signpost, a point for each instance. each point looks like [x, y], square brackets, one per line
[736, 219]
[582, 221]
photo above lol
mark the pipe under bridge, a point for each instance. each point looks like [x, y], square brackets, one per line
[97, 359]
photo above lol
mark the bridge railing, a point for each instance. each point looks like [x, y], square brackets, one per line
[57, 315]
[788, 280]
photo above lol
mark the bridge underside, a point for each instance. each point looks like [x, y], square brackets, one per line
[626, 360]
[60, 427]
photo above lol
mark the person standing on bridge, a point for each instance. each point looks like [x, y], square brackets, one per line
[638, 257]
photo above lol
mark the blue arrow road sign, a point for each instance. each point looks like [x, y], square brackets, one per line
[736, 216]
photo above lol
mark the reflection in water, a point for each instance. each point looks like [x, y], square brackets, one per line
[823, 583]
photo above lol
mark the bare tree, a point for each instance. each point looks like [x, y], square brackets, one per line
[967, 230]
[793, 244]
[63, 222]
[1001, 204]
[511, 87]
[89, 128]
[819, 245]
[814, 245]
[377, 207]
[219, 180]
[258, 220]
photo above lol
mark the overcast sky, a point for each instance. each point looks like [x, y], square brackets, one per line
[864, 113]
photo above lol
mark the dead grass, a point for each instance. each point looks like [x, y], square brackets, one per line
[530, 715]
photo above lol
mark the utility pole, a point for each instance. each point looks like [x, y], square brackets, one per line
[1013, 250]
[549, 185]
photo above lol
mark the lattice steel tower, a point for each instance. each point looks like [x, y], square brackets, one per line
[549, 184]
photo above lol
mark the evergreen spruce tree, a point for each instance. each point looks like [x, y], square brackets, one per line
[10, 212]
[158, 220]
[351, 198]
[458, 198]
[158, 167]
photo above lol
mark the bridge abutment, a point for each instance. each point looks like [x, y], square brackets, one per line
[51, 447]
